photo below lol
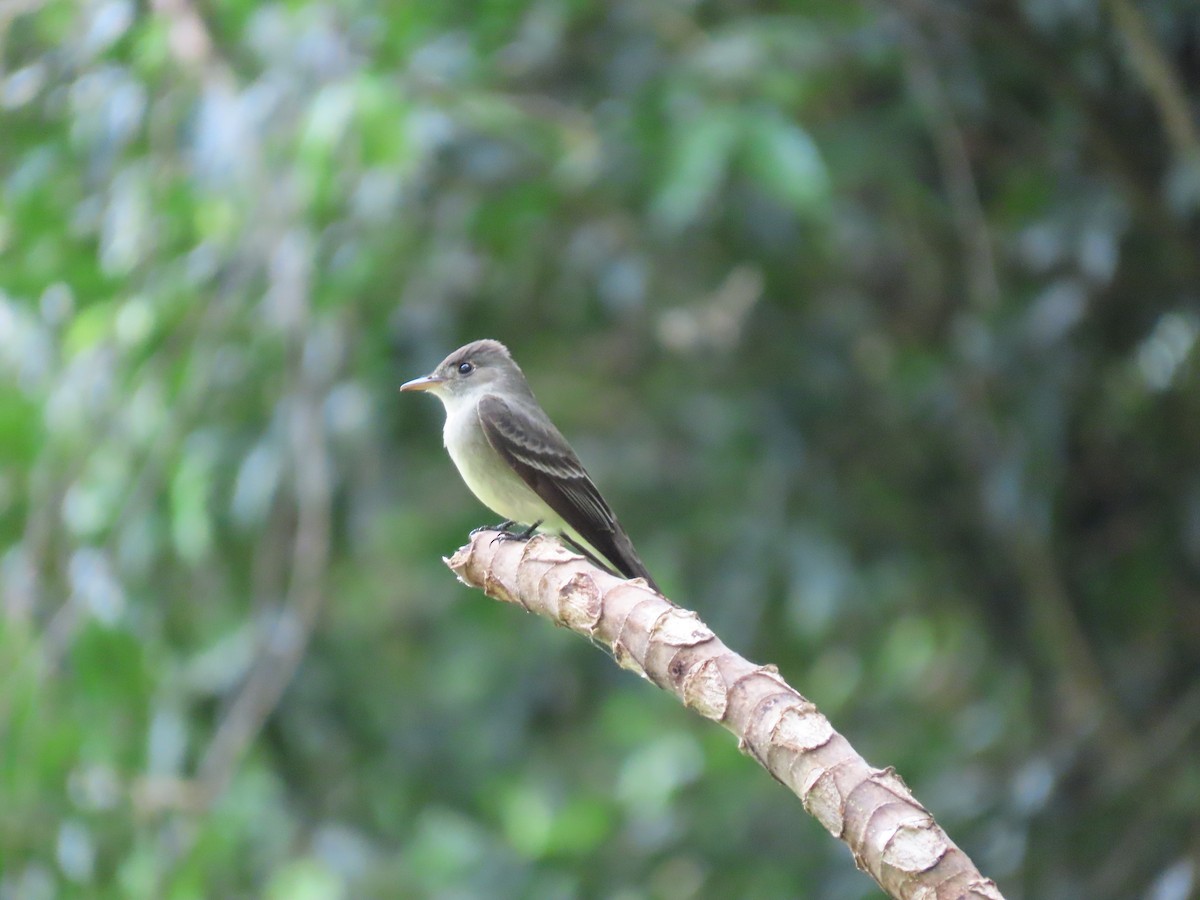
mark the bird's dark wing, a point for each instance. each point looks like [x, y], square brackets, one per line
[536, 451]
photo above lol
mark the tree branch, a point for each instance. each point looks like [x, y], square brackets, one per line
[1160, 80]
[892, 837]
[954, 164]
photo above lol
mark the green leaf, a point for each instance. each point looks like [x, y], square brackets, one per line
[782, 158]
[89, 327]
[305, 879]
[697, 165]
[191, 525]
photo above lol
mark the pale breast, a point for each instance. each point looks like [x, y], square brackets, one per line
[488, 476]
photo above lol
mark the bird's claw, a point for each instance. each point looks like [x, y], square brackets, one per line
[506, 535]
[502, 527]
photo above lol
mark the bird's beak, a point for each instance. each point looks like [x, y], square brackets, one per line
[424, 383]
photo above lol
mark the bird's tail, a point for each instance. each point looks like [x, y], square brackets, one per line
[616, 554]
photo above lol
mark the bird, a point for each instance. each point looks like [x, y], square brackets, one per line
[516, 462]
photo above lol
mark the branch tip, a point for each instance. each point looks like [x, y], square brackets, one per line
[891, 836]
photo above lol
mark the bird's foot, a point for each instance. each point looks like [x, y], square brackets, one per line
[506, 535]
[502, 527]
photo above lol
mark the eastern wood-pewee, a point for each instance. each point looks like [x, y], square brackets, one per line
[514, 460]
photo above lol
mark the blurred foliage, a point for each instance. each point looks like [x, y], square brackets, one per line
[876, 323]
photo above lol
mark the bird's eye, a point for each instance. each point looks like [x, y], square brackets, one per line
[465, 368]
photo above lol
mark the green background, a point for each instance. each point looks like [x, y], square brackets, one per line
[876, 324]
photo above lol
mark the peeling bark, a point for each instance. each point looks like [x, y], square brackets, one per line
[891, 836]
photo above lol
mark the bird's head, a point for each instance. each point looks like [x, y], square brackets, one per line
[477, 368]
